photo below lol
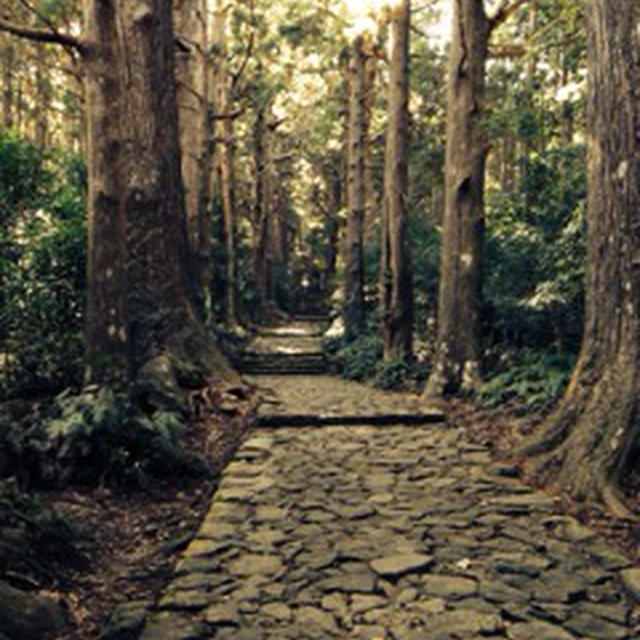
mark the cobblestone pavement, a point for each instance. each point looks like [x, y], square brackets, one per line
[399, 532]
[387, 533]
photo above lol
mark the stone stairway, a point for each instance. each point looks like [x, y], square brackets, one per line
[294, 349]
[281, 364]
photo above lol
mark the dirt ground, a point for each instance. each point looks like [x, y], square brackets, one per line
[133, 539]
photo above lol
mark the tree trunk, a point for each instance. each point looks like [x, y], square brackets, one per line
[593, 437]
[370, 196]
[397, 293]
[261, 204]
[458, 349]
[8, 59]
[354, 312]
[192, 74]
[137, 284]
[42, 98]
[225, 161]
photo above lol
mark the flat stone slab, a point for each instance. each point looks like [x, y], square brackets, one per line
[360, 532]
[400, 564]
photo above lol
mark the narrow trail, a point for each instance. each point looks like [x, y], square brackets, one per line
[402, 531]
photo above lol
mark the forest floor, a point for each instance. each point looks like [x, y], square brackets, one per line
[134, 538]
[465, 542]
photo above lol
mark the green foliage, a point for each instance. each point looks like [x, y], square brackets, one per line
[425, 255]
[535, 254]
[42, 524]
[534, 382]
[394, 374]
[42, 261]
[357, 360]
[101, 436]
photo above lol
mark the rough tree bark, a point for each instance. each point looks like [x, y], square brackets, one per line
[354, 311]
[133, 113]
[42, 102]
[261, 205]
[458, 344]
[593, 436]
[371, 204]
[7, 81]
[192, 75]
[225, 160]
[396, 278]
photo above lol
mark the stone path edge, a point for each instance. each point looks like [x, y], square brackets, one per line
[305, 420]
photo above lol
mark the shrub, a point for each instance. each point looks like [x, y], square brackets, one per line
[393, 374]
[100, 436]
[356, 360]
[535, 382]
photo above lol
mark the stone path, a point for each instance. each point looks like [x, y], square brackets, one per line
[328, 400]
[397, 532]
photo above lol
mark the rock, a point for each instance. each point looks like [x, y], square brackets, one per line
[549, 611]
[361, 603]
[252, 564]
[266, 537]
[314, 617]
[449, 587]
[523, 503]
[495, 591]
[573, 531]
[193, 599]
[126, 621]
[537, 631]
[369, 632]
[395, 566]
[337, 603]
[267, 513]
[349, 583]
[407, 595]
[199, 580]
[522, 563]
[156, 386]
[608, 557]
[26, 616]
[225, 614]
[617, 613]
[631, 582]
[205, 547]
[172, 626]
[278, 611]
[431, 605]
[464, 622]
[591, 626]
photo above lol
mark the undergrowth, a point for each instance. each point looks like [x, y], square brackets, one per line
[99, 436]
[361, 360]
[534, 381]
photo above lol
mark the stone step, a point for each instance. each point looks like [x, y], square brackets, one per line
[275, 364]
[312, 317]
[432, 416]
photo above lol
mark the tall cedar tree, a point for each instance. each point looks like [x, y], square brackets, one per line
[138, 313]
[458, 345]
[225, 160]
[592, 438]
[396, 277]
[354, 311]
[192, 73]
